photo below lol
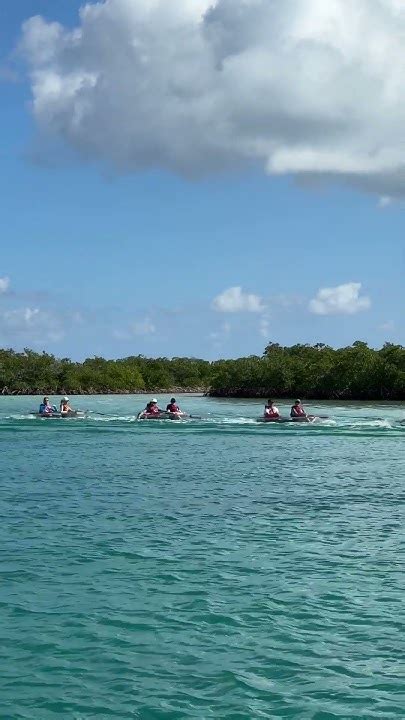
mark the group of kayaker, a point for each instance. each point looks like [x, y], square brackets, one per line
[271, 412]
[46, 408]
[152, 407]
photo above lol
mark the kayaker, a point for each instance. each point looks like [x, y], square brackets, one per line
[297, 410]
[271, 411]
[64, 406]
[172, 407]
[153, 408]
[45, 408]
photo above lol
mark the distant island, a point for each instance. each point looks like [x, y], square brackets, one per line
[357, 372]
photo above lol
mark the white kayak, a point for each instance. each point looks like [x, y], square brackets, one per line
[307, 419]
[162, 416]
[61, 416]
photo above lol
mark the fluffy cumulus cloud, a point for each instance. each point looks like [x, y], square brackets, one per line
[235, 300]
[308, 87]
[341, 300]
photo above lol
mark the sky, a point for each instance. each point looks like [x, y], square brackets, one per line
[202, 177]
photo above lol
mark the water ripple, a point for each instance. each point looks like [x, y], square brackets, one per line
[207, 570]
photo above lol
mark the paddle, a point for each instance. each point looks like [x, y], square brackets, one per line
[95, 412]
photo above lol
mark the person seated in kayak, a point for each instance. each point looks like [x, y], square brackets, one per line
[172, 407]
[297, 411]
[271, 411]
[153, 408]
[45, 408]
[64, 406]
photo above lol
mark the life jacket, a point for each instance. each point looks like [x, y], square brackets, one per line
[152, 410]
[271, 412]
[173, 408]
[297, 411]
[45, 408]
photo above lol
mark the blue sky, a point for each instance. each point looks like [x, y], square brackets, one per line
[101, 257]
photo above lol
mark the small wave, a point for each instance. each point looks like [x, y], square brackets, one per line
[30, 416]
[234, 421]
[370, 424]
[112, 418]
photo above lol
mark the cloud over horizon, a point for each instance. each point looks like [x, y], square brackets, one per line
[341, 300]
[31, 325]
[303, 87]
[234, 300]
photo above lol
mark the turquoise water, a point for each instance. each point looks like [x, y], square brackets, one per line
[214, 568]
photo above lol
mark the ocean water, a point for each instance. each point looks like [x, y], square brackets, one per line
[211, 568]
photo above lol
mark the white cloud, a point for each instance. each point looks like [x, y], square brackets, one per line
[299, 86]
[235, 300]
[4, 284]
[31, 325]
[143, 327]
[21, 317]
[340, 300]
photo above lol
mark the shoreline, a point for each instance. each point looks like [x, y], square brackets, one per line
[72, 393]
[240, 395]
[199, 392]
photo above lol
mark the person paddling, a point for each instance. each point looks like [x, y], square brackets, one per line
[64, 406]
[271, 412]
[46, 408]
[172, 407]
[297, 410]
[153, 408]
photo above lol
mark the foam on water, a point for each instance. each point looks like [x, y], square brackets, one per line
[213, 413]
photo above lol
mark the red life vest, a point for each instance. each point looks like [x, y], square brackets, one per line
[297, 411]
[271, 412]
[173, 408]
[153, 410]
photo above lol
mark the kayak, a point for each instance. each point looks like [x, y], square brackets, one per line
[162, 416]
[61, 416]
[307, 419]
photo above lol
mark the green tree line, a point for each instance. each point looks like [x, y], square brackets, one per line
[357, 372]
[38, 373]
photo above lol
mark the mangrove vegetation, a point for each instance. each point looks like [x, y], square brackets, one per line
[357, 372]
